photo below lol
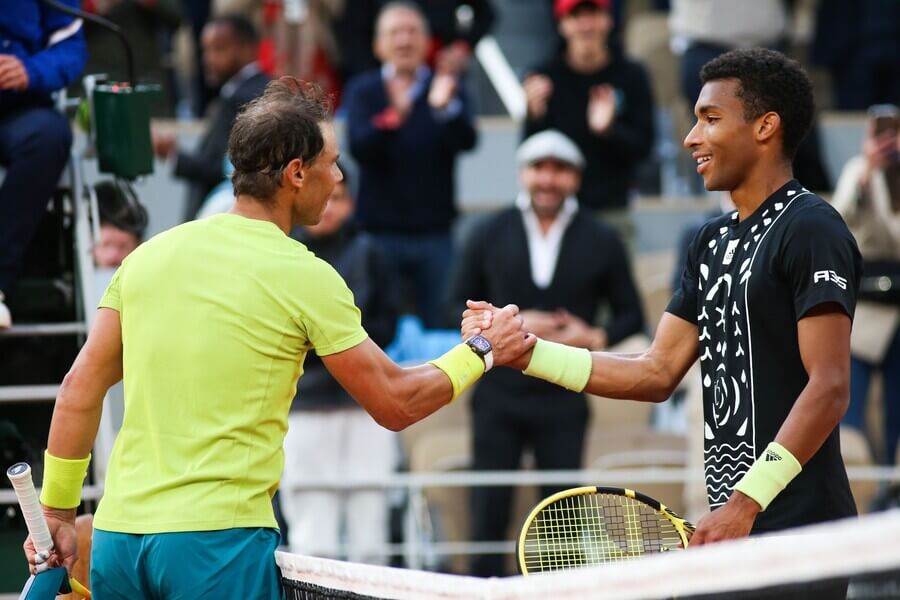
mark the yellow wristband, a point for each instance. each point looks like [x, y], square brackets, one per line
[769, 474]
[63, 478]
[462, 366]
[560, 364]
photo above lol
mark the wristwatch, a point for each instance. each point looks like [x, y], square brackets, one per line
[482, 347]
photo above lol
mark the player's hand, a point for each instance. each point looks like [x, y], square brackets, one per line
[508, 340]
[601, 108]
[731, 521]
[13, 75]
[61, 524]
[538, 89]
[476, 318]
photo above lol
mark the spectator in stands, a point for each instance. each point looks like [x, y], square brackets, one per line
[600, 99]
[859, 43]
[41, 50]
[123, 221]
[704, 29]
[148, 25]
[535, 252]
[456, 26]
[302, 39]
[406, 126]
[229, 60]
[329, 435]
[868, 197]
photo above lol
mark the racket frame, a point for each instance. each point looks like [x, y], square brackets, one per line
[683, 527]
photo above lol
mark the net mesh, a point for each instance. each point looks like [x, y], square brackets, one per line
[857, 558]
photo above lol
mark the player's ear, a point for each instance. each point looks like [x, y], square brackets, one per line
[293, 173]
[767, 125]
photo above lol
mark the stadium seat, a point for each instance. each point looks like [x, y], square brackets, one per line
[856, 452]
[636, 448]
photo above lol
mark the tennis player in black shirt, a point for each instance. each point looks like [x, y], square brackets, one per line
[765, 302]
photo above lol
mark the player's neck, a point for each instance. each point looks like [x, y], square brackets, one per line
[761, 183]
[273, 212]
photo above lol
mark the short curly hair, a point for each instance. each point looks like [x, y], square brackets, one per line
[274, 129]
[769, 81]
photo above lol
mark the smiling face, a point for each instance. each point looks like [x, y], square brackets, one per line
[549, 182]
[315, 181]
[723, 142]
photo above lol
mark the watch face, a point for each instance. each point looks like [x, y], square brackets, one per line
[480, 344]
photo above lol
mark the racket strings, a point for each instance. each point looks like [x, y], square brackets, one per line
[588, 529]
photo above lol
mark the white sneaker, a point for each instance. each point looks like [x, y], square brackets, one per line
[5, 317]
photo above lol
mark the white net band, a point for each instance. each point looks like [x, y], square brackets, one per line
[821, 553]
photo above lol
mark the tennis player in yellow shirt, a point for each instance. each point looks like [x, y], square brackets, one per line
[208, 325]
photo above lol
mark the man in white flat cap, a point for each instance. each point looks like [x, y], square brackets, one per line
[561, 265]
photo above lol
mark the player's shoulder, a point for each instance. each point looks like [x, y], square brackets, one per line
[307, 267]
[810, 214]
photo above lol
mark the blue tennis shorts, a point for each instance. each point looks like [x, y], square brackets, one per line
[232, 563]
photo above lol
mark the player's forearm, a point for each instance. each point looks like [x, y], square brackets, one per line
[416, 393]
[817, 411]
[630, 377]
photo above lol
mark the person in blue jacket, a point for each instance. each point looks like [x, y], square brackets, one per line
[41, 50]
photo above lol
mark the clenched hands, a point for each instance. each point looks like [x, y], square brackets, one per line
[503, 327]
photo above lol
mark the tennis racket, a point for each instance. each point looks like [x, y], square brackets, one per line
[592, 525]
[48, 582]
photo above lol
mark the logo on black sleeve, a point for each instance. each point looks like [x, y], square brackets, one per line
[830, 276]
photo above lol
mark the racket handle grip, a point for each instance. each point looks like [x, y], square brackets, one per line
[20, 476]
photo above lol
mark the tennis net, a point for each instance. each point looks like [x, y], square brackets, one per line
[857, 558]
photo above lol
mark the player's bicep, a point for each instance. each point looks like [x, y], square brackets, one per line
[101, 357]
[824, 339]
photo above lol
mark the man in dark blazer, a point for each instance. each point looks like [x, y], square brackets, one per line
[559, 264]
[230, 45]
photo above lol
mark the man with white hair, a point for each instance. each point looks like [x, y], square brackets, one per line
[561, 265]
[406, 126]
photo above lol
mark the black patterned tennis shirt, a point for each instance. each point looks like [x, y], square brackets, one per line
[746, 284]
